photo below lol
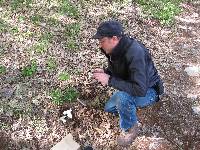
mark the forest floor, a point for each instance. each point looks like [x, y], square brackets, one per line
[44, 52]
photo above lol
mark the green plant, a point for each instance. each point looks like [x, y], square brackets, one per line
[42, 44]
[52, 22]
[51, 63]
[18, 112]
[167, 14]
[56, 96]
[2, 50]
[21, 18]
[41, 47]
[4, 126]
[14, 30]
[36, 19]
[71, 44]
[72, 30]
[29, 70]
[3, 26]
[163, 10]
[15, 4]
[46, 37]
[63, 76]
[28, 34]
[2, 69]
[28, 2]
[67, 8]
[1, 2]
[68, 95]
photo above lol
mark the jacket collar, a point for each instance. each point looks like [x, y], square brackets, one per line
[121, 47]
[124, 43]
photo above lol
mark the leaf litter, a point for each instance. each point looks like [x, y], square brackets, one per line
[170, 124]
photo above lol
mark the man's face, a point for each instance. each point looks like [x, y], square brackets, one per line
[108, 43]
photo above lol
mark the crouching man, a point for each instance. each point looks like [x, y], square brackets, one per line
[132, 72]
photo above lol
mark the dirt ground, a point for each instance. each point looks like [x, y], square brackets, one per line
[168, 125]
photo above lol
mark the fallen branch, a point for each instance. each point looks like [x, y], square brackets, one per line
[81, 102]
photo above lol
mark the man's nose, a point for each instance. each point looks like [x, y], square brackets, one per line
[100, 45]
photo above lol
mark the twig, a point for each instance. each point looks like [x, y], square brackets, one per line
[81, 102]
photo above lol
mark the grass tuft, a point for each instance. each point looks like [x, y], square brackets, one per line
[59, 97]
[163, 10]
[29, 70]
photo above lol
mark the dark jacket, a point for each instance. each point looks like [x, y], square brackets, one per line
[131, 68]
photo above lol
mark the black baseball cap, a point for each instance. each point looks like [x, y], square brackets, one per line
[109, 29]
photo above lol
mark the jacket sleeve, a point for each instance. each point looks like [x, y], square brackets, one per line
[137, 85]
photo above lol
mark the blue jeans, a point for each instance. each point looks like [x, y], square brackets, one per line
[126, 105]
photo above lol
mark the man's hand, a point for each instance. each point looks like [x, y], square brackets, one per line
[98, 70]
[102, 78]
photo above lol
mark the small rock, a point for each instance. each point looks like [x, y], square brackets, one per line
[63, 119]
[196, 110]
[195, 15]
[68, 113]
[193, 71]
[67, 143]
[43, 24]
[178, 66]
[6, 92]
[192, 96]
[36, 102]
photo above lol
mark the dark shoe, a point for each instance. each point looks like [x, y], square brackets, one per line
[126, 138]
[88, 148]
